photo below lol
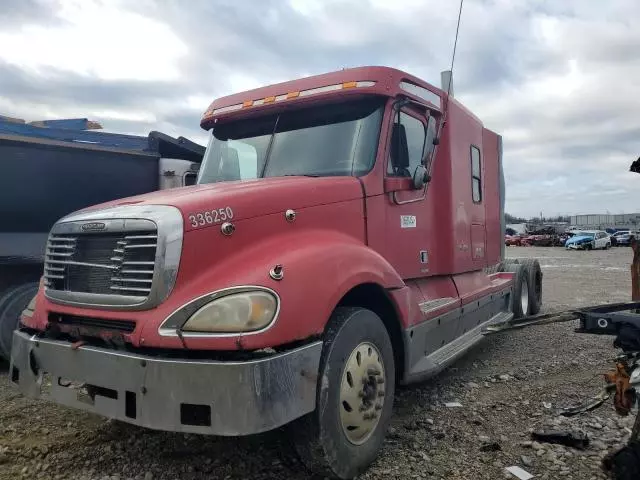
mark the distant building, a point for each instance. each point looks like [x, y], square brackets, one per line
[604, 221]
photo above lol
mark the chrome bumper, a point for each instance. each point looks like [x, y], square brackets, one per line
[197, 396]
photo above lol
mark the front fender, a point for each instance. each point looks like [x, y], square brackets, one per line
[320, 267]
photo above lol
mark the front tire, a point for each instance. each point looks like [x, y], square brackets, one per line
[354, 402]
[12, 303]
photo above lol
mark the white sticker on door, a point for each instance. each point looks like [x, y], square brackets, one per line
[407, 221]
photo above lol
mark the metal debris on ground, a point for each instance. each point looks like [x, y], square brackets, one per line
[542, 319]
[625, 396]
[577, 440]
[589, 405]
[453, 405]
[519, 473]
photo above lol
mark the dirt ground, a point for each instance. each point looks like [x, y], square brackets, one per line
[510, 384]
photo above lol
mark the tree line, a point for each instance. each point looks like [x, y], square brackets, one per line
[514, 219]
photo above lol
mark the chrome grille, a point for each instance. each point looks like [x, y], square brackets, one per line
[124, 257]
[119, 263]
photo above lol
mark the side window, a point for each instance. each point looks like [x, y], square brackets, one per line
[476, 175]
[407, 145]
[429, 146]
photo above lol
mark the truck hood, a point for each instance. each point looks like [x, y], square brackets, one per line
[248, 198]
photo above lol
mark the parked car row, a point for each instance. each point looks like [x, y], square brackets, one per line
[573, 240]
[535, 240]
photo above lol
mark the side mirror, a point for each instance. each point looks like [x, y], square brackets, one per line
[420, 177]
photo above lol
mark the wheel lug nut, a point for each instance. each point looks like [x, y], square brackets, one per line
[362, 408]
[378, 406]
[381, 393]
[373, 371]
[380, 380]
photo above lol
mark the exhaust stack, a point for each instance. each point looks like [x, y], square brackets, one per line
[446, 80]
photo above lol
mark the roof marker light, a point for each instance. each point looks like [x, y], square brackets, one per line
[287, 96]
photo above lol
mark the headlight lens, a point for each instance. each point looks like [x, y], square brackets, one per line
[238, 312]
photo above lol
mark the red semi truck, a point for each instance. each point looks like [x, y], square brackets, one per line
[346, 234]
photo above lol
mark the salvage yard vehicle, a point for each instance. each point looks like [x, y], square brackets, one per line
[346, 234]
[588, 240]
[622, 237]
[51, 168]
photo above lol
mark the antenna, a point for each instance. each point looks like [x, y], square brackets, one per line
[453, 58]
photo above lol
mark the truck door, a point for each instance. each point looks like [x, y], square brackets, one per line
[406, 227]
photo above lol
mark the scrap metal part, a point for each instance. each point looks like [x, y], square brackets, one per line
[624, 398]
[590, 404]
[577, 440]
[602, 319]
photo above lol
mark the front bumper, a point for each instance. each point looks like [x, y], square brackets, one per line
[197, 396]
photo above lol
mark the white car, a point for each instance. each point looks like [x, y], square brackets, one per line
[589, 240]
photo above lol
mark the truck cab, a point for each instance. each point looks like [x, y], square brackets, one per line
[346, 234]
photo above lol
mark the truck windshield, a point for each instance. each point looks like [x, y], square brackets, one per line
[325, 140]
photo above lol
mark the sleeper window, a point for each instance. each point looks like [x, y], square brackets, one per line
[476, 175]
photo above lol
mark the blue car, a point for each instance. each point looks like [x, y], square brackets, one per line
[588, 240]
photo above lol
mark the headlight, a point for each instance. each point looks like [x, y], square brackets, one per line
[238, 312]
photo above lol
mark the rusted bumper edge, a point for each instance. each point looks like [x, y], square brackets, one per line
[196, 396]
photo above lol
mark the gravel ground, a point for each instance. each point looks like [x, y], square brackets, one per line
[510, 384]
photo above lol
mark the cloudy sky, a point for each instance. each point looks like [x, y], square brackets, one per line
[559, 79]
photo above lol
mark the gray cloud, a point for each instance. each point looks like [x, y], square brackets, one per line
[17, 11]
[557, 79]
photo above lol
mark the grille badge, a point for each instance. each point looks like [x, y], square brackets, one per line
[94, 227]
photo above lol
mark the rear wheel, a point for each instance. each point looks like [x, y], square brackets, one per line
[356, 386]
[534, 284]
[12, 303]
[520, 303]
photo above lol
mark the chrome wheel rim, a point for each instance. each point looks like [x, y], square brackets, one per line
[362, 393]
[524, 297]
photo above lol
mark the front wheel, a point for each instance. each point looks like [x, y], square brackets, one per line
[12, 303]
[356, 385]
